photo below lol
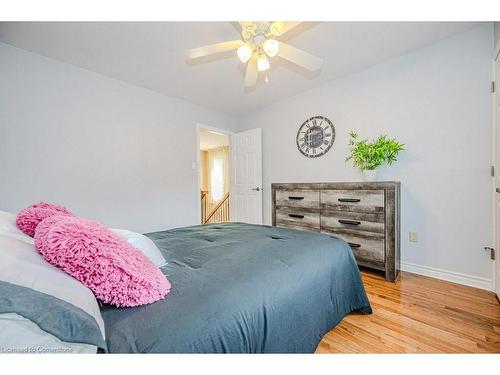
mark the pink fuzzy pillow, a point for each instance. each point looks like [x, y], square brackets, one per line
[28, 219]
[115, 271]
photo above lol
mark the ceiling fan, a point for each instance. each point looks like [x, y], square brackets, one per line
[259, 43]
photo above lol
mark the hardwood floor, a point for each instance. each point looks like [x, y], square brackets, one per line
[419, 314]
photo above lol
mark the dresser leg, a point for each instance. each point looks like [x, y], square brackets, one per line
[390, 275]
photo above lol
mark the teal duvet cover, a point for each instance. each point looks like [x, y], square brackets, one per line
[241, 288]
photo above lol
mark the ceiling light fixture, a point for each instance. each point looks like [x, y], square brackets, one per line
[260, 40]
[262, 62]
[245, 52]
[271, 47]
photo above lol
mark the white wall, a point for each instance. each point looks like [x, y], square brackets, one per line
[435, 100]
[497, 32]
[105, 149]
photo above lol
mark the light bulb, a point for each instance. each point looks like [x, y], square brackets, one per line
[262, 63]
[245, 52]
[271, 47]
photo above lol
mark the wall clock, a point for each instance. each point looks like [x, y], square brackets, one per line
[315, 136]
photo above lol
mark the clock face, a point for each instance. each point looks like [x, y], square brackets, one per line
[315, 136]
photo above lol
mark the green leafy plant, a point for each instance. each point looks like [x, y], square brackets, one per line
[370, 155]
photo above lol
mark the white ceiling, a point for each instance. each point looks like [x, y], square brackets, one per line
[210, 140]
[151, 54]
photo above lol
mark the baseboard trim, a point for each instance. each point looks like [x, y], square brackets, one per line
[454, 277]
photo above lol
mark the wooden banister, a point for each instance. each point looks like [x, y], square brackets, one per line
[220, 213]
[204, 198]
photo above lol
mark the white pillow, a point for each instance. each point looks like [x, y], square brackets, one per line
[22, 265]
[144, 244]
[8, 227]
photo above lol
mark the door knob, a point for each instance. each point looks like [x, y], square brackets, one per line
[256, 189]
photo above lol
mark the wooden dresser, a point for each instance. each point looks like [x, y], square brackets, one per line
[364, 214]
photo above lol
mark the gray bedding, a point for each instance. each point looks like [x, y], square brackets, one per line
[62, 319]
[240, 288]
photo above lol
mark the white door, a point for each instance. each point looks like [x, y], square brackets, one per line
[246, 203]
[497, 177]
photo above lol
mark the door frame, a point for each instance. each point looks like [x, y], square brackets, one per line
[229, 133]
[496, 60]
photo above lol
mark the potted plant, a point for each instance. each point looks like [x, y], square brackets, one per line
[368, 156]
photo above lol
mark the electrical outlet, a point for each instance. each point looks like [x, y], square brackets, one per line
[413, 237]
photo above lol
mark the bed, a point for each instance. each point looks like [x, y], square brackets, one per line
[241, 288]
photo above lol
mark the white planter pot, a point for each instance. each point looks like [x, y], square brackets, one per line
[370, 175]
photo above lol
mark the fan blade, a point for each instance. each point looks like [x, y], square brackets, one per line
[213, 49]
[300, 57]
[251, 74]
[278, 28]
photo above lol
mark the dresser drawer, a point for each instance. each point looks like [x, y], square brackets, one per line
[371, 250]
[335, 220]
[370, 201]
[297, 198]
[298, 218]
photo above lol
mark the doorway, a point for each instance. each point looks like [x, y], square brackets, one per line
[214, 175]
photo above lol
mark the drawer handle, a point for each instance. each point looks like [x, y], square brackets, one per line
[352, 244]
[296, 198]
[296, 216]
[350, 200]
[350, 222]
